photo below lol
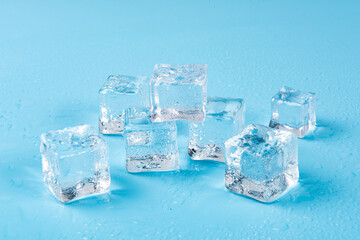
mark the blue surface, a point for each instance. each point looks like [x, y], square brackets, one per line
[55, 56]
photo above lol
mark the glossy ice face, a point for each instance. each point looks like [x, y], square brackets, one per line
[75, 163]
[293, 110]
[225, 117]
[149, 146]
[261, 163]
[119, 93]
[178, 92]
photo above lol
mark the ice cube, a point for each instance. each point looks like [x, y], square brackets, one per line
[178, 92]
[75, 163]
[225, 117]
[149, 146]
[261, 162]
[293, 110]
[117, 94]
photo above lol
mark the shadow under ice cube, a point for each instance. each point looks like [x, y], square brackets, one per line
[119, 93]
[75, 163]
[178, 92]
[261, 162]
[225, 117]
[293, 110]
[149, 146]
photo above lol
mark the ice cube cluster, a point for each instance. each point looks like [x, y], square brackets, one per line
[260, 162]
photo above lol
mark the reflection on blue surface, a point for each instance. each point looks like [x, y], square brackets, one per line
[54, 58]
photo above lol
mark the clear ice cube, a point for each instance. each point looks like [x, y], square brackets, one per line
[261, 162]
[178, 92]
[75, 163]
[293, 110]
[149, 146]
[225, 117]
[117, 94]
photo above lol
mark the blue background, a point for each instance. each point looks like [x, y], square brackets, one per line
[55, 56]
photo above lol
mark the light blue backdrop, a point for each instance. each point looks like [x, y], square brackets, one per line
[55, 56]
